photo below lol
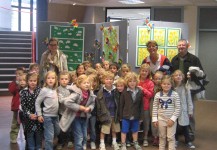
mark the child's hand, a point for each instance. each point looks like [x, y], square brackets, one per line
[40, 119]
[82, 108]
[190, 115]
[33, 117]
[87, 109]
[141, 88]
[170, 123]
[155, 124]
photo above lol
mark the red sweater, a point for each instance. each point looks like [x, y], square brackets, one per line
[14, 90]
[148, 89]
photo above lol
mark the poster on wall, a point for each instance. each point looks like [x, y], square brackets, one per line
[71, 43]
[167, 39]
[111, 43]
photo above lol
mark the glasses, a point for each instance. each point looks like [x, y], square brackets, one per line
[53, 44]
[152, 46]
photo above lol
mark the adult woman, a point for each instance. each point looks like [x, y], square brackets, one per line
[155, 60]
[53, 59]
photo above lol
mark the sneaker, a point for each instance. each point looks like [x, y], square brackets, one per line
[145, 143]
[70, 145]
[115, 146]
[128, 144]
[176, 144]
[13, 141]
[102, 147]
[59, 147]
[155, 141]
[190, 145]
[123, 146]
[92, 145]
[136, 146]
[85, 146]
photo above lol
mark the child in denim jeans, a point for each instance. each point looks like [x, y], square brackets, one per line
[32, 127]
[78, 107]
[49, 116]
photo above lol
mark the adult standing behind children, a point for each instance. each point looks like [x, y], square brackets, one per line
[53, 59]
[155, 60]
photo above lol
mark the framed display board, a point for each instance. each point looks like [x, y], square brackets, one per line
[167, 39]
[71, 43]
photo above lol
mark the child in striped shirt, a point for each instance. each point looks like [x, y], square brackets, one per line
[166, 110]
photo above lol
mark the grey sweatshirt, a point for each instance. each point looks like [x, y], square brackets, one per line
[50, 99]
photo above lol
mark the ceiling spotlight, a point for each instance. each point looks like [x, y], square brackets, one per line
[74, 4]
[131, 2]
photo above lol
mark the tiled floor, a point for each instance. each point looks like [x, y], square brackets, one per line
[206, 137]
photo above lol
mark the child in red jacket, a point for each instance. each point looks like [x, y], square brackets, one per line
[14, 89]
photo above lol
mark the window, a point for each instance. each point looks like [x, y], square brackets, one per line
[23, 15]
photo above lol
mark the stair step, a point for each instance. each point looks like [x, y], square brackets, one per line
[16, 54]
[3, 89]
[14, 45]
[1, 82]
[14, 65]
[15, 33]
[10, 60]
[15, 40]
[16, 49]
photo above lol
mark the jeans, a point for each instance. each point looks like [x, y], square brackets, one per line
[80, 132]
[92, 123]
[51, 129]
[34, 140]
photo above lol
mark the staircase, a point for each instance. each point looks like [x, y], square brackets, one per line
[15, 51]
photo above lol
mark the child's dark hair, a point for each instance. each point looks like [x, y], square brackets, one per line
[53, 39]
[113, 64]
[21, 69]
[65, 73]
[32, 65]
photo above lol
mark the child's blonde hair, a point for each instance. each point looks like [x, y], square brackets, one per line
[63, 73]
[180, 72]
[80, 79]
[73, 74]
[32, 65]
[90, 71]
[146, 67]
[167, 77]
[131, 76]
[125, 66]
[94, 78]
[120, 81]
[108, 74]
[33, 75]
[56, 80]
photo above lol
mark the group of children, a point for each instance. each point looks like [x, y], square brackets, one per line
[118, 99]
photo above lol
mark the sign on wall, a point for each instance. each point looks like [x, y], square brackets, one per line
[71, 43]
[167, 39]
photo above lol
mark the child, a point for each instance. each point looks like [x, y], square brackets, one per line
[78, 107]
[157, 88]
[63, 91]
[131, 110]
[125, 68]
[114, 69]
[107, 110]
[166, 110]
[33, 129]
[87, 65]
[80, 70]
[34, 68]
[98, 66]
[14, 89]
[48, 114]
[73, 77]
[147, 86]
[186, 107]
[105, 65]
[90, 71]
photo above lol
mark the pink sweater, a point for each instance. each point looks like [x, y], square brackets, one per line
[148, 89]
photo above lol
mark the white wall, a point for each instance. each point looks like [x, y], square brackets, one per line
[5, 15]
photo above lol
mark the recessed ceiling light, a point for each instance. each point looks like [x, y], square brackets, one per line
[131, 2]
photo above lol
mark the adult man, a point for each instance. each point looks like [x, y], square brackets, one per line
[183, 61]
[53, 59]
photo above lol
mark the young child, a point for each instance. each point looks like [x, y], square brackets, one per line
[107, 110]
[131, 110]
[78, 108]
[34, 68]
[63, 91]
[147, 86]
[113, 67]
[105, 65]
[87, 65]
[166, 110]
[157, 88]
[14, 89]
[80, 70]
[98, 66]
[73, 77]
[125, 68]
[33, 128]
[48, 113]
[186, 107]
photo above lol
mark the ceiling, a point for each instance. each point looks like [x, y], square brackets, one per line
[148, 3]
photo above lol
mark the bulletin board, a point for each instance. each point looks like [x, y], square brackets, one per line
[167, 39]
[71, 43]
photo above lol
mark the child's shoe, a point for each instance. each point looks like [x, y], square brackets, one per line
[155, 141]
[115, 146]
[102, 147]
[85, 146]
[190, 145]
[145, 143]
[128, 144]
[70, 145]
[92, 145]
[123, 146]
[176, 144]
[136, 146]
[14, 141]
[59, 147]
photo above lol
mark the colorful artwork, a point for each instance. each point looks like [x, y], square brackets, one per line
[173, 37]
[142, 53]
[160, 36]
[111, 43]
[171, 52]
[144, 35]
[161, 51]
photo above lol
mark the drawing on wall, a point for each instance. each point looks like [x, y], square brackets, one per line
[71, 43]
[173, 36]
[171, 52]
[111, 43]
[159, 35]
[167, 39]
[143, 36]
